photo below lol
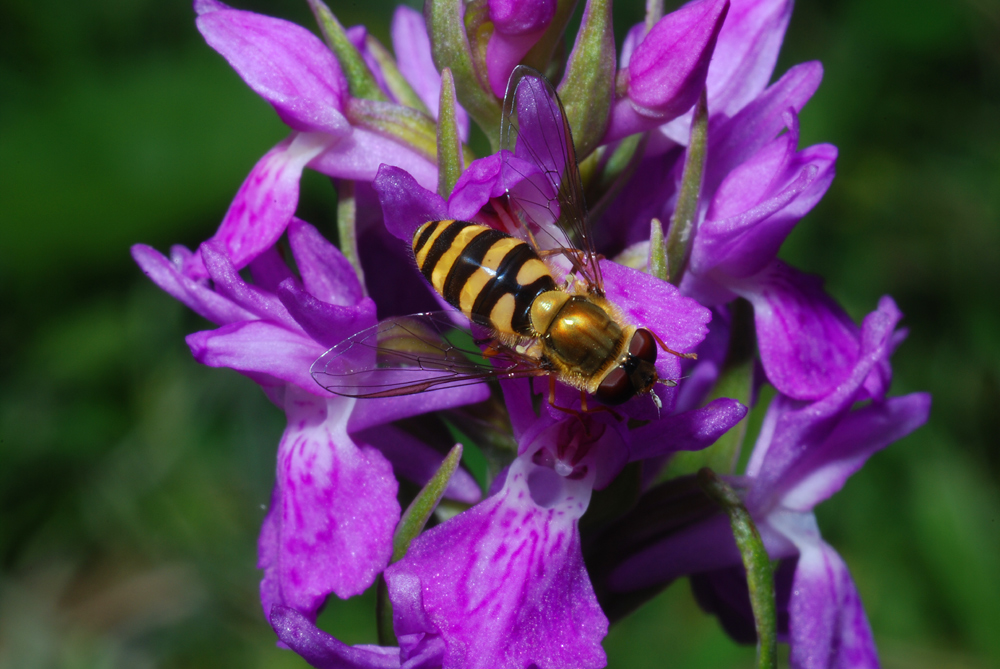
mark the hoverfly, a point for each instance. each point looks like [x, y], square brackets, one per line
[533, 290]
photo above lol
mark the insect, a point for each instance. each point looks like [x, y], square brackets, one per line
[533, 289]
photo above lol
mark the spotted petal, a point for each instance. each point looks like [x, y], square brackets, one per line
[519, 594]
[333, 512]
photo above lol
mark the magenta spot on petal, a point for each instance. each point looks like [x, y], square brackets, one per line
[545, 486]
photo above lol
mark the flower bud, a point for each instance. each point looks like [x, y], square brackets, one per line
[666, 71]
[517, 25]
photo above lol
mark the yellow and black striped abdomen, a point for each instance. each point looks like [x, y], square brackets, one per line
[488, 275]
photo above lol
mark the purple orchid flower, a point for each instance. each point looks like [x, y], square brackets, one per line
[519, 594]
[300, 77]
[757, 185]
[805, 453]
[334, 507]
[526, 532]
[504, 584]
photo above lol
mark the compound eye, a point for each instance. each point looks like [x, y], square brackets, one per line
[616, 387]
[643, 345]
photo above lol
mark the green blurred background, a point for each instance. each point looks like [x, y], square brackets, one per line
[133, 481]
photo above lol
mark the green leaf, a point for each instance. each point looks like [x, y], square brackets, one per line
[410, 525]
[682, 232]
[587, 88]
[394, 80]
[760, 575]
[346, 231]
[450, 48]
[403, 124]
[420, 510]
[360, 79]
[657, 252]
[449, 144]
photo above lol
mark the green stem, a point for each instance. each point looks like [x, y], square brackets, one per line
[760, 575]
[654, 12]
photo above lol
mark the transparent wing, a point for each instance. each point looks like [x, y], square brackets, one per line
[413, 354]
[541, 176]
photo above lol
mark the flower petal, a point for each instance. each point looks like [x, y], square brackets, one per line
[856, 438]
[330, 525]
[263, 351]
[827, 624]
[418, 642]
[520, 593]
[633, 38]
[517, 24]
[327, 324]
[680, 321]
[283, 63]
[808, 345]
[269, 269]
[358, 157]
[228, 282]
[657, 305]
[792, 429]
[688, 431]
[732, 141]
[326, 273]
[759, 203]
[406, 205]
[667, 69]
[700, 375]
[479, 182]
[265, 202]
[195, 294]
[746, 52]
[323, 651]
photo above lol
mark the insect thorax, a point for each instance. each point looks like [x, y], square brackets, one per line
[584, 340]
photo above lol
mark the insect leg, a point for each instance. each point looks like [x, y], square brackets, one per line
[689, 356]
[600, 407]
